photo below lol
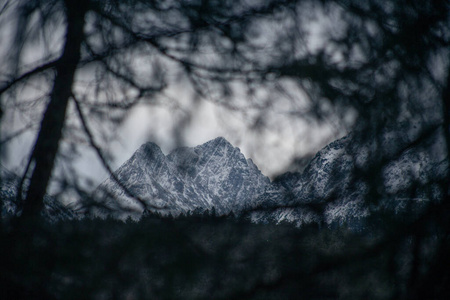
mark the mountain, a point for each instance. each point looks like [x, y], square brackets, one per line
[354, 177]
[345, 182]
[399, 171]
[213, 176]
[53, 209]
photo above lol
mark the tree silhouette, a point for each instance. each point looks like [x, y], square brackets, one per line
[71, 65]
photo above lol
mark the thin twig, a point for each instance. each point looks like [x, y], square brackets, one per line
[28, 74]
[103, 159]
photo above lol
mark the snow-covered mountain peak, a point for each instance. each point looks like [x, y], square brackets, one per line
[217, 176]
[217, 147]
[149, 151]
[218, 142]
[214, 175]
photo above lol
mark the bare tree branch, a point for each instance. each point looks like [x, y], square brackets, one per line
[103, 160]
[28, 75]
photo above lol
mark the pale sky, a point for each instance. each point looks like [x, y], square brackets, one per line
[272, 146]
[272, 138]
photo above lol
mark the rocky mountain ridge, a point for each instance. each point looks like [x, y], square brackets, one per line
[213, 176]
[344, 183]
[53, 210]
[338, 185]
[350, 179]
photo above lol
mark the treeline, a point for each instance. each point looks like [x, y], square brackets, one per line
[208, 257]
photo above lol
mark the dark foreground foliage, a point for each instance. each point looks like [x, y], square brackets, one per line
[219, 258]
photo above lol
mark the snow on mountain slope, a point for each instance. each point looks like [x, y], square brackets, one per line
[214, 175]
[351, 178]
[345, 182]
[53, 209]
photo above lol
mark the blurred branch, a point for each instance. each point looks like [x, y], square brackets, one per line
[29, 74]
[360, 252]
[103, 160]
[16, 134]
[47, 142]
[446, 124]
[128, 79]
[221, 72]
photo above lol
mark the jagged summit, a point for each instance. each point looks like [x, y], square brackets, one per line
[149, 150]
[214, 175]
[218, 141]
[149, 147]
[334, 180]
[217, 176]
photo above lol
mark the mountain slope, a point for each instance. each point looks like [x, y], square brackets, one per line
[53, 209]
[351, 178]
[346, 181]
[214, 175]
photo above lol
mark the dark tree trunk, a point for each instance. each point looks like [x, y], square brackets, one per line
[50, 133]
